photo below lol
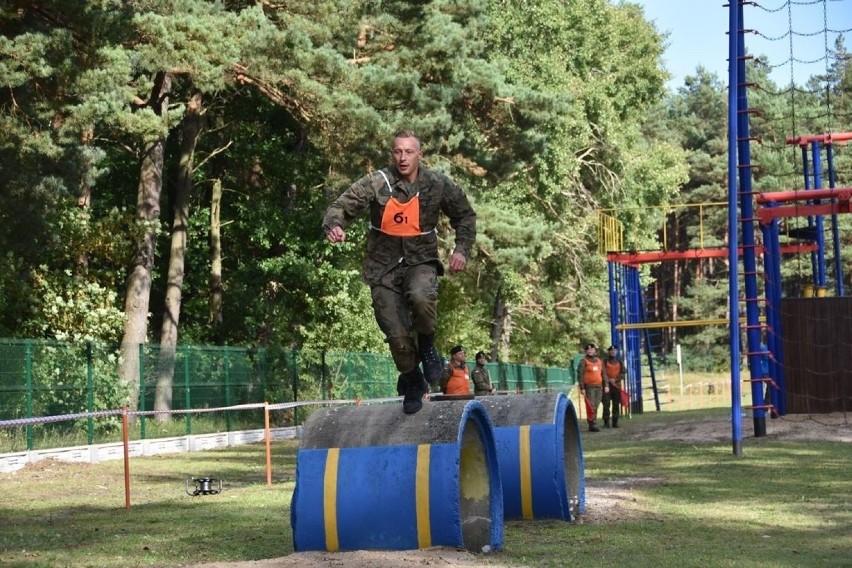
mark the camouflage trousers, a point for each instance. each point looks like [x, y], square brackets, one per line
[406, 300]
[595, 394]
[612, 399]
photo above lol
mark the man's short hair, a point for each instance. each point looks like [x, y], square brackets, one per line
[591, 346]
[407, 134]
[480, 354]
[456, 349]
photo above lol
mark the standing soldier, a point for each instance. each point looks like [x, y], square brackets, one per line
[614, 374]
[455, 378]
[401, 265]
[590, 380]
[481, 377]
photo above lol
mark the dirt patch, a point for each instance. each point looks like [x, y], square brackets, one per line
[836, 427]
[606, 501]
[362, 559]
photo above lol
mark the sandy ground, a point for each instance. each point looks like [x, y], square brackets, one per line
[606, 502]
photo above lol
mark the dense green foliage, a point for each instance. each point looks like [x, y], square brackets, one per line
[696, 117]
[545, 111]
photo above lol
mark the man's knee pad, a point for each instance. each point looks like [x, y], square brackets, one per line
[404, 353]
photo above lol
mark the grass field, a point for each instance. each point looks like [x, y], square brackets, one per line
[664, 503]
[696, 391]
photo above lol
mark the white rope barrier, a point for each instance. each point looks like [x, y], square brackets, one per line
[15, 423]
[125, 414]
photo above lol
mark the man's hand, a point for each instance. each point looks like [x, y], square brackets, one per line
[457, 262]
[336, 235]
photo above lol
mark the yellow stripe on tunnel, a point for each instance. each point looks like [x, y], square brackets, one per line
[526, 476]
[424, 526]
[332, 460]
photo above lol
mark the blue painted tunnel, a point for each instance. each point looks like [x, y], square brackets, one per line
[373, 478]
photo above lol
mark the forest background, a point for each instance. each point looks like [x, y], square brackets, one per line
[164, 167]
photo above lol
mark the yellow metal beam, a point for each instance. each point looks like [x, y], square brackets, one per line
[679, 323]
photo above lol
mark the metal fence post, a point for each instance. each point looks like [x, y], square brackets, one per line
[185, 350]
[90, 392]
[227, 388]
[323, 377]
[294, 365]
[142, 390]
[28, 372]
[261, 369]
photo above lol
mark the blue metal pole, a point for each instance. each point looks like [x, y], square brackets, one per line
[634, 347]
[772, 342]
[835, 230]
[734, 56]
[622, 300]
[648, 348]
[806, 172]
[820, 234]
[773, 309]
[752, 309]
[613, 304]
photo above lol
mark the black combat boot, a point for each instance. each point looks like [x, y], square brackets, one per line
[615, 422]
[593, 428]
[606, 423]
[430, 359]
[415, 389]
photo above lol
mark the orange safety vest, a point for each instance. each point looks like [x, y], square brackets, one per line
[613, 369]
[459, 381]
[593, 375]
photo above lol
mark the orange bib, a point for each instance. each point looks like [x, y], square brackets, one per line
[402, 219]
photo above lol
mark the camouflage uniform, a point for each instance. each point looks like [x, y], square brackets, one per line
[402, 272]
[481, 381]
[612, 399]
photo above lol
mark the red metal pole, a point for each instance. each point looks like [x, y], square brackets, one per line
[824, 138]
[839, 193]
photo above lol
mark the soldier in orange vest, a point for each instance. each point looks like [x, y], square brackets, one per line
[456, 377]
[614, 371]
[591, 383]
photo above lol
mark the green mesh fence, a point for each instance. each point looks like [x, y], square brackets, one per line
[44, 378]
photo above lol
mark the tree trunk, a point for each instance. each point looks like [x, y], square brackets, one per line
[506, 334]
[138, 293]
[216, 292]
[84, 199]
[501, 329]
[190, 130]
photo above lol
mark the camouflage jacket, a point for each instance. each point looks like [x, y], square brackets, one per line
[437, 194]
[481, 380]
